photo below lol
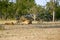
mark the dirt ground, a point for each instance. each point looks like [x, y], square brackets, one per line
[30, 34]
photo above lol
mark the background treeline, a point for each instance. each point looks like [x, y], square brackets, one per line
[13, 10]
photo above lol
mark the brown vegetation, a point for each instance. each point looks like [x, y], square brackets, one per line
[9, 23]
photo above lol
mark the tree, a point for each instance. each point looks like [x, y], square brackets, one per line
[37, 11]
[34, 11]
[51, 6]
[58, 13]
[7, 9]
[11, 10]
[4, 6]
[22, 6]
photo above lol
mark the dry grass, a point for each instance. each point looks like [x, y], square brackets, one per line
[31, 34]
[7, 21]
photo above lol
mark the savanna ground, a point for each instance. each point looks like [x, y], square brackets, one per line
[29, 33]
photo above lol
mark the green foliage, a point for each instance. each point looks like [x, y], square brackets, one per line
[11, 10]
[57, 15]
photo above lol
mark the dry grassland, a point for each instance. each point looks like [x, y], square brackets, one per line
[30, 34]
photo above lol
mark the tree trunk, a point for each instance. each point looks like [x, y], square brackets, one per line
[53, 16]
[34, 17]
